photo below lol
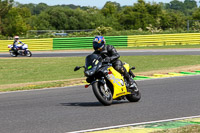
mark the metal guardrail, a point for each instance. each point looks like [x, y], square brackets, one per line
[117, 41]
[33, 44]
[164, 39]
[86, 42]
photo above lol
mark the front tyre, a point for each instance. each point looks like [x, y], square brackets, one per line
[104, 97]
[28, 53]
[135, 95]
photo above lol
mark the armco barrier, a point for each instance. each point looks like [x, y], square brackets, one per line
[4, 44]
[117, 41]
[39, 44]
[33, 44]
[163, 39]
[72, 43]
[86, 42]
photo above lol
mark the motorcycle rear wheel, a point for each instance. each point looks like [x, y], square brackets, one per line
[104, 97]
[135, 96]
[13, 54]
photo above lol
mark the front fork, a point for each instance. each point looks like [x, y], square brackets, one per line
[131, 74]
[104, 84]
[102, 81]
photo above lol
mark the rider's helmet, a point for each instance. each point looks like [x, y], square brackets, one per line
[99, 43]
[16, 38]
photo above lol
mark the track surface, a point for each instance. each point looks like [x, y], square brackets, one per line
[122, 53]
[76, 108]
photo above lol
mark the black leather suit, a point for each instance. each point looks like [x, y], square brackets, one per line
[110, 54]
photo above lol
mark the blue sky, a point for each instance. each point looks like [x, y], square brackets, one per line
[97, 3]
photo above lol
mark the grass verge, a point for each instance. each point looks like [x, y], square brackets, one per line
[33, 86]
[41, 85]
[186, 129]
[28, 70]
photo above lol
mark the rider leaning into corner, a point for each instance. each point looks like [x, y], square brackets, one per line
[110, 55]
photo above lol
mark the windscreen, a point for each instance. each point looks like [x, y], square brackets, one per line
[91, 61]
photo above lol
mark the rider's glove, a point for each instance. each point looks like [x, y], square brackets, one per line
[106, 60]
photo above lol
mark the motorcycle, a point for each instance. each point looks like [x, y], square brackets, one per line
[19, 50]
[107, 83]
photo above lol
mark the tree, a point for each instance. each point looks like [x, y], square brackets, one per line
[30, 6]
[110, 8]
[140, 15]
[165, 20]
[18, 18]
[57, 18]
[190, 4]
[177, 20]
[40, 7]
[42, 22]
[196, 14]
[127, 17]
[176, 5]
[14, 22]
[5, 6]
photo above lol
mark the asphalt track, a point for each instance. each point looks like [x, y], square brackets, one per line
[76, 108]
[122, 53]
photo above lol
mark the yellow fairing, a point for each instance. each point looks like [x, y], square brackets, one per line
[127, 67]
[118, 83]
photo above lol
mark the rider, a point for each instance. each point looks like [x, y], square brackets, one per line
[15, 43]
[109, 54]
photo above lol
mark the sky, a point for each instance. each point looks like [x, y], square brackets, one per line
[97, 3]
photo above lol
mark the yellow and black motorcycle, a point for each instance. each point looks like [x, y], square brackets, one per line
[107, 83]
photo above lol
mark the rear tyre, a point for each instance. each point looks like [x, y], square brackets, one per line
[13, 54]
[104, 97]
[135, 95]
[28, 53]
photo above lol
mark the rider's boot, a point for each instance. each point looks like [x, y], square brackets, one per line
[131, 84]
[128, 78]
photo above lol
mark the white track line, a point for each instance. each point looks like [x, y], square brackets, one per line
[134, 124]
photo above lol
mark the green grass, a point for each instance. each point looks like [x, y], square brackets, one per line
[39, 86]
[23, 70]
[186, 129]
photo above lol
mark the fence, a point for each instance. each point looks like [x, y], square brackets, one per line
[33, 44]
[72, 43]
[117, 41]
[164, 39]
[86, 42]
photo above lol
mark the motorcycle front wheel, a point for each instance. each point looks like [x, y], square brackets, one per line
[104, 96]
[28, 53]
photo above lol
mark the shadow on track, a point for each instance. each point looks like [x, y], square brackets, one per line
[91, 104]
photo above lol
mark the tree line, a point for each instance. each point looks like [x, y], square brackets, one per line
[17, 18]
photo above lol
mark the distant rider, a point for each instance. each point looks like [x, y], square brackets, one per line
[110, 55]
[16, 42]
